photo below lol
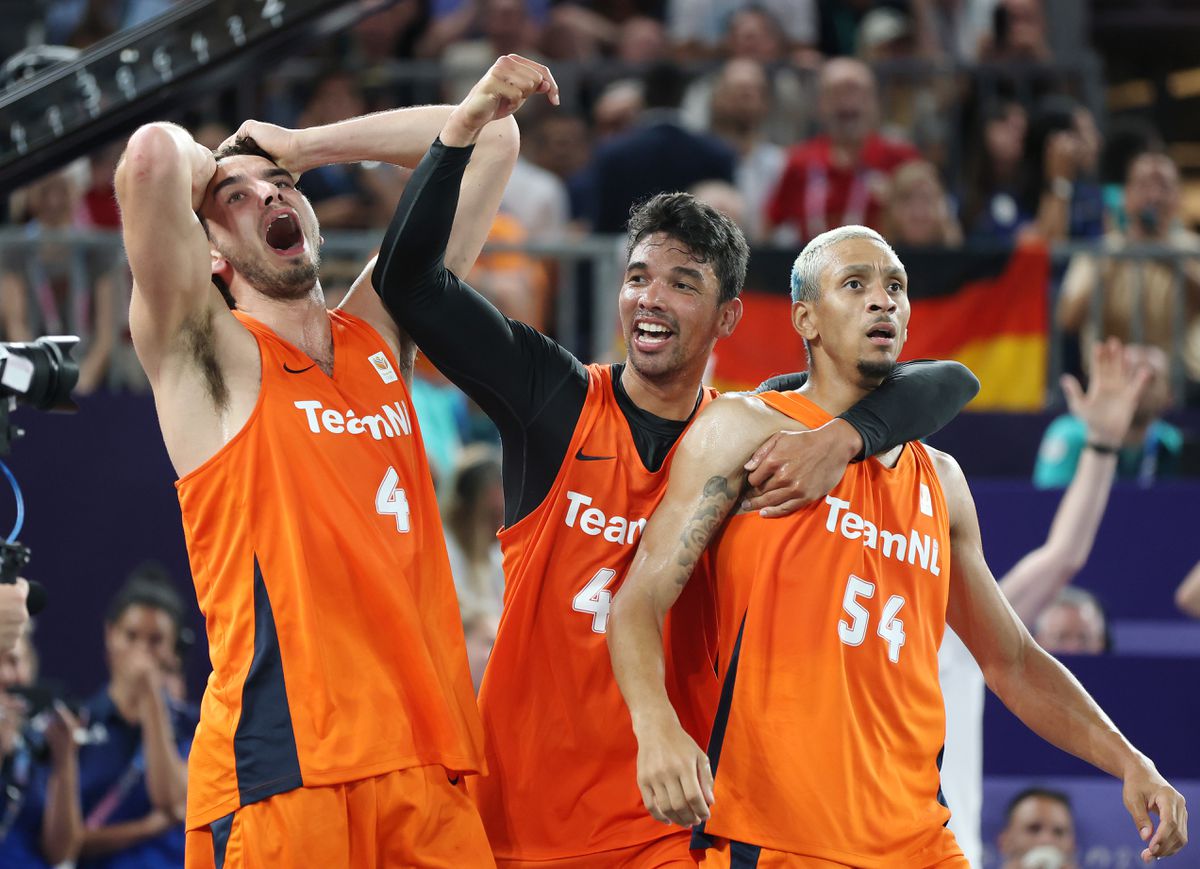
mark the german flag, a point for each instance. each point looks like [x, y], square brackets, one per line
[986, 308]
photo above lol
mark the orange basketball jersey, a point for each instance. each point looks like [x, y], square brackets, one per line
[827, 739]
[562, 757]
[321, 570]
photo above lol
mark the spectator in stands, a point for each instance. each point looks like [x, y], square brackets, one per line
[756, 35]
[40, 824]
[133, 783]
[513, 281]
[474, 513]
[100, 200]
[1018, 33]
[1124, 141]
[1147, 451]
[1034, 587]
[839, 176]
[504, 27]
[697, 27]
[918, 213]
[724, 198]
[559, 143]
[1039, 831]
[1187, 596]
[741, 103]
[917, 99]
[993, 173]
[617, 109]
[338, 193]
[950, 29]
[656, 156]
[1138, 296]
[641, 40]
[392, 32]
[54, 288]
[1061, 190]
[536, 197]
[1074, 623]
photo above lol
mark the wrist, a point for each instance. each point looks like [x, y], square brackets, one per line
[1061, 187]
[1103, 446]
[653, 718]
[848, 442]
[459, 131]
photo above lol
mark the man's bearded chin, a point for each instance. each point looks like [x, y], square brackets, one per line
[287, 284]
[873, 372]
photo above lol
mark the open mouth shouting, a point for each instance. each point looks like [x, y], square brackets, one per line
[882, 334]
[283, 233]
[651, 335]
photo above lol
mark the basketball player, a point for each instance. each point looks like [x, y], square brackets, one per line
[826, 743]
[339, 720]
[585, 452]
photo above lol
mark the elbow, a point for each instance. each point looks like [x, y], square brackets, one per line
[500, 140]
[964, 383]
[151, 154]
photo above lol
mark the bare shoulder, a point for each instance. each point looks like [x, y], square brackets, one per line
[733, 426]
[363, 302]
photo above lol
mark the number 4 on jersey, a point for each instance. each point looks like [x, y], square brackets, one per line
[595, 598]
[891, 629]
[390, 500]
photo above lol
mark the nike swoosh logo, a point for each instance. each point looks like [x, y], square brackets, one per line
[584, 457]
[297, 370]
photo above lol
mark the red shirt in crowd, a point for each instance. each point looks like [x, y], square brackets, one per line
[813, 195]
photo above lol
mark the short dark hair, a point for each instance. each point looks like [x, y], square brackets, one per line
[242, 147]
[709, 236]
[150, 586]
[1040, 792]
[245, 146]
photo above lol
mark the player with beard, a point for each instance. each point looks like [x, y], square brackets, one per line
[826, 745]
[339, 720]
[585, 455]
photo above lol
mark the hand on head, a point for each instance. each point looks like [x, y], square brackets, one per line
[281, 143]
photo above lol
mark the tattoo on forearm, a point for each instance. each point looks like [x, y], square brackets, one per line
[718, 498]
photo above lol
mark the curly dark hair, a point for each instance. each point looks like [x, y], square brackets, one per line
[709, 236]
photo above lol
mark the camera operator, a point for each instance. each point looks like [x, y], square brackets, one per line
[40, 821]
[14, 615]
[133, 779]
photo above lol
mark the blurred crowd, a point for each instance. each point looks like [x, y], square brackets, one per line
[941, 123]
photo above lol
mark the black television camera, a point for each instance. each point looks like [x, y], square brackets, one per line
[41, 374]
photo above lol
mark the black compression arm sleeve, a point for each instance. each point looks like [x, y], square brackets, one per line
[531, 387]
[913, 402]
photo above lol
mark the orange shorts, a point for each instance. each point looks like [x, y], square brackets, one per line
[669, 852]
[412, 817]
[737, 855]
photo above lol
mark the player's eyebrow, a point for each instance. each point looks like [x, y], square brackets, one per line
[273, 172]
[694, 274]
[226, 182]
[855, 269]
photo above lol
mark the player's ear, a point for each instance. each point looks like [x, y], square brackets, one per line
[731, 315]
[804, 319]
[221, 267]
